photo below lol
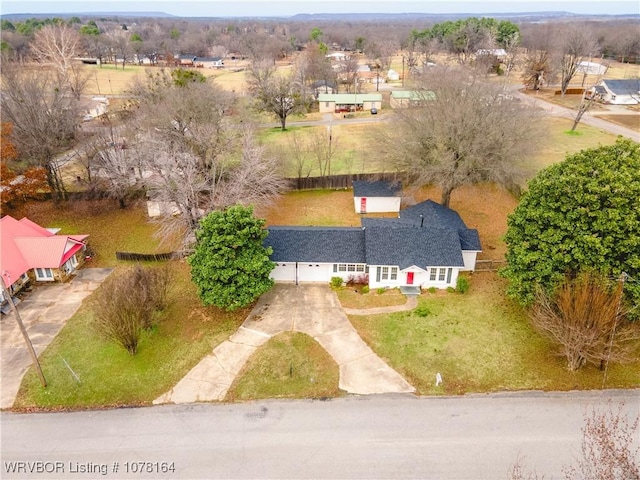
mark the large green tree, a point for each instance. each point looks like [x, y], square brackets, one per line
[580, 214]
[230, 265]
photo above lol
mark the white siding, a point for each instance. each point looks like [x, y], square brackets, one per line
[469, 258]
[377, 204]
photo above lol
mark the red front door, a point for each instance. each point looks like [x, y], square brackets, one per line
[363, 205]
[409, 278]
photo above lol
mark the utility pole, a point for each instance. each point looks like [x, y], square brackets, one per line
[32, 352]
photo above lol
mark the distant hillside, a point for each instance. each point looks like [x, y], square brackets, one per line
[22, 16]
[439, 17]
[335, 17]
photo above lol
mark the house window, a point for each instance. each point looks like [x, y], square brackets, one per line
[344, 267]
[432, 274]
[388, 273]
[441, 274]
[44, 274]
[449, 270]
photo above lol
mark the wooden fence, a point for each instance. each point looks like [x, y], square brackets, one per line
[149, 257]
[489, 265]
[338, 182]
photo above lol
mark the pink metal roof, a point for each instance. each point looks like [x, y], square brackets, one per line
[26, 245]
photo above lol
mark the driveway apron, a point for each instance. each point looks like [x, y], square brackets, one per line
[44, 312]
[313, 309]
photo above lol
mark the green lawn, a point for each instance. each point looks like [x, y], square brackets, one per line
[289, 365]
[479, 342]
[109, 376]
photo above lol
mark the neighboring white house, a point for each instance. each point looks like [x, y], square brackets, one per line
[427, 246]
[618, 92]
[496, 52]
[209, 62]
[376, 197]
[392, 75]
[591, 68]
[338, 56]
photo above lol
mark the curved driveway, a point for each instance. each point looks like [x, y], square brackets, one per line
[313, 309]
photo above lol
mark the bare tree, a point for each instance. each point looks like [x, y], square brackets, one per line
[576, 44]
[44, 115]
[193, 157]
[463, 131]
[585, 318]
[273, 93]
[607, 450]
[58, 45]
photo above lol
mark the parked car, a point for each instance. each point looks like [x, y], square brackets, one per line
[374, 111]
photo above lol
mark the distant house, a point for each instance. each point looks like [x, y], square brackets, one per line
[376, 197]
[426, 247]
[337, 56]
[392, 75]
[591, 68]
[348, 102]
[496, 52]
[618, 92]
[323, 86]
[405, 98]
[30, 252]
[209, 62]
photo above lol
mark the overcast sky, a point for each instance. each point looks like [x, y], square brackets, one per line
[241, 8]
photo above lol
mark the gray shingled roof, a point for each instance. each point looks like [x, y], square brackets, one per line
[624, 87]
[411, 245]
[317, 244]
[434, 214]
[437, 239]
[379, 188]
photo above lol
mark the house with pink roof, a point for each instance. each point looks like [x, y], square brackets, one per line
[31, 253]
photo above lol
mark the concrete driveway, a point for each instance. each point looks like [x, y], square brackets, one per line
[44, 312]
[312, 309]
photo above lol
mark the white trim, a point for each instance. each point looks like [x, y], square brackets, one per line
[44, 274]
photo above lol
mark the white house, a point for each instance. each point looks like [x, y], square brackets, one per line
[427, 246]
[591, 68]
[376, 197]
[618, 92]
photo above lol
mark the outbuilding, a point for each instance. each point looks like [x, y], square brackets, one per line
[376, 197]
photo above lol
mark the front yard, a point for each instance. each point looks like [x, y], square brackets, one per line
[479, 342]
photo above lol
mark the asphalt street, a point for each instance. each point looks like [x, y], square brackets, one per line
[381, 436]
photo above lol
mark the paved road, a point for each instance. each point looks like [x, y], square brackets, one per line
[397, 436]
